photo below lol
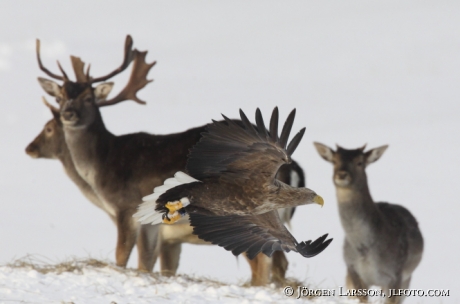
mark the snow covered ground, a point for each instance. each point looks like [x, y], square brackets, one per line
[92, 281]
[375, 72]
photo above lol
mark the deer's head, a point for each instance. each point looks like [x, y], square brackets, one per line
[79, 100]
[349, 165]
[50, 143]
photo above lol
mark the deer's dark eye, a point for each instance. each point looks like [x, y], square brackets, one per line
[360, 163]
[48, 130]
[88, 99]
[58, 99]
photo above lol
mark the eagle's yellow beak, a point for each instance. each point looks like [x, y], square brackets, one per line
[319, 200]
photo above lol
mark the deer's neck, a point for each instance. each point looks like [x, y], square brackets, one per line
[89, 147]
[358, 214]
[69, 168]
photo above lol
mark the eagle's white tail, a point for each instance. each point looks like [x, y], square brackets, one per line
[146, 213]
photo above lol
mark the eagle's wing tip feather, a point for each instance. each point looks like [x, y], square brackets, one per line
[310, 249]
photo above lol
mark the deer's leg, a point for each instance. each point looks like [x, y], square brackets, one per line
[260, 268]
[354, 283]
[148, 246]
[279, 267]
[404, 285]
[169, 256]
[127, 234]
[395, 299]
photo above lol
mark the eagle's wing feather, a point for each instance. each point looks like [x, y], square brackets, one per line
[252, 234]
[239, 150]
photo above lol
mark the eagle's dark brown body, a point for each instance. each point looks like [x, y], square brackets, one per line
[248, 198]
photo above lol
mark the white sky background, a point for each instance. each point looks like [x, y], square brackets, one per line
[375, 72]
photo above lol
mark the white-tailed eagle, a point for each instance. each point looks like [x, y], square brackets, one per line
[230, 192]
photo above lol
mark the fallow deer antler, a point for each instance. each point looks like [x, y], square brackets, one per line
[48, 72]
[137, 81]
[129, 56]
[78, 68]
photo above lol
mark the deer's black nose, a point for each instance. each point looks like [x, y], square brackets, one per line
[31, 148]
[68, 115]
[342, 174]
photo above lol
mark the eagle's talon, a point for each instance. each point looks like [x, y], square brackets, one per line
[171, 218]
[174, 206]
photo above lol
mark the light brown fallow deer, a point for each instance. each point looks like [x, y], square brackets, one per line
[383, 244]
[123, 169]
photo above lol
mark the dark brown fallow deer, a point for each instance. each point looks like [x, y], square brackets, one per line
[383, 244]
[123, 169]
[50, 143]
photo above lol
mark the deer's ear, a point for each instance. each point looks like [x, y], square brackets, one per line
[50, 87]
[324, 151]
[374, 154]
[103, 90]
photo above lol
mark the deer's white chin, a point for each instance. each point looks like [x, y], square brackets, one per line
[341, 182]
[33, 154]
[69, 122]
[72, 124]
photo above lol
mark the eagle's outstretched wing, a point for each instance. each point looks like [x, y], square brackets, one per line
[253, 234]
[232, 151]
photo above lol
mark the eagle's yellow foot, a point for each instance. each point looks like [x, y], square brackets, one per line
[174, 206]
[171, 218]
[176, 210]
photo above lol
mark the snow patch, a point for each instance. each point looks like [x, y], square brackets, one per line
[92, 281]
